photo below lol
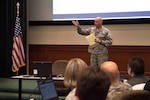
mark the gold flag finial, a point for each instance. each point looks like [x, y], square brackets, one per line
[17, 8]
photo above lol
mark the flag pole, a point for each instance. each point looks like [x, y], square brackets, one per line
[18, 5]
[17, 8]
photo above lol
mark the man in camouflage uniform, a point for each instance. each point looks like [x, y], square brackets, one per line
[99, 53]
[116, 87]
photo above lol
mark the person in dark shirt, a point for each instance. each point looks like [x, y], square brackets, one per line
[136, 68]
[147, 86]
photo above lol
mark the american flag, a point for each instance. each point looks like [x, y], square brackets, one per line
[18, 56]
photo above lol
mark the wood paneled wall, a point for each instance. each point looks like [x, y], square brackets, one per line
[119, 54]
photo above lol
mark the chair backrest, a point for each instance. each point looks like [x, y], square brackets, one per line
[58, 70]
[59, 67]
[138, 86]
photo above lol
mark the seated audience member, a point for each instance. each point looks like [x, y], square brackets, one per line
[147, 86]
[72, 71]
[92, 84]
[116, 87]
[134, 95]
[136, 71]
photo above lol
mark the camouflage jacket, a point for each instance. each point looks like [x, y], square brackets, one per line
[116, 89]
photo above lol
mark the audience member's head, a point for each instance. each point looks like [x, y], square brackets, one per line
[111, 68]
[92, 84]
[134, 95]
[147, 86]
[72, 71]
[136, 66]
[116, 87]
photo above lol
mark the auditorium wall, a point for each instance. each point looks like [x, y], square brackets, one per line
[127, 34]
[63, 42]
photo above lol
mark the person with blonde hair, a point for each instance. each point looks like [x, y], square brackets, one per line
[74, 67]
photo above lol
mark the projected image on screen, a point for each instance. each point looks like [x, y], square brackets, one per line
[107, 9]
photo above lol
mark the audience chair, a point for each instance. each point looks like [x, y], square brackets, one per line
[58, 69]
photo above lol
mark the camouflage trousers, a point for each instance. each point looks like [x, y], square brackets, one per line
[97, 59]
